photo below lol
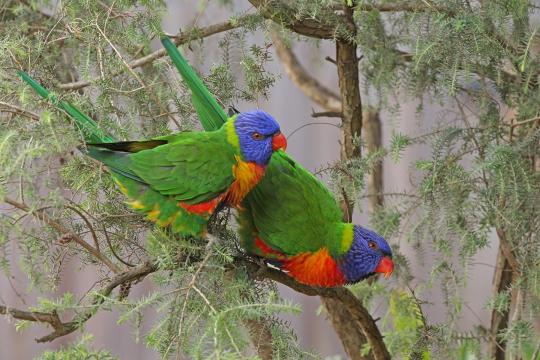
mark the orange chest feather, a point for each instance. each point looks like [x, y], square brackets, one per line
[315, 269]
[246, 176]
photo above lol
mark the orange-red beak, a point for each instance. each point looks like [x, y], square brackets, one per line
[279, 142]
[386, 266]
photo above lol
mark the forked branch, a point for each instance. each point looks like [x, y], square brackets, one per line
[182, 38]
[61, 328]
[310, 86]
[346, 299]
[65, 232]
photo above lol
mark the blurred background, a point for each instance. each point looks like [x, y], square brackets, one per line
[315, 146]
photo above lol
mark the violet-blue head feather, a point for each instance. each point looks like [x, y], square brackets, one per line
[369, 253]
[259, 135]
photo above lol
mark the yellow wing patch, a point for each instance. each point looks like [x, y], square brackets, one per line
[121, 186]
[136, 204]
[154, 213]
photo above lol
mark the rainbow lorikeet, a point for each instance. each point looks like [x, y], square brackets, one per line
[194, 171]
[291, 219]
[179, 180]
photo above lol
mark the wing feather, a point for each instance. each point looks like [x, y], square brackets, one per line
[190, 167]
[291, 209]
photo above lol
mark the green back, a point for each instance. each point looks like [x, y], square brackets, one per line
[291, 210]
[191, 167]
[164, 210]
[194, 167]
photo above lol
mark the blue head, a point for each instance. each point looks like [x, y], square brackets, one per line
[369, 254]
[259, 135]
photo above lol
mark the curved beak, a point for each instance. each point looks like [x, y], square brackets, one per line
[279, 141]
[386, 267]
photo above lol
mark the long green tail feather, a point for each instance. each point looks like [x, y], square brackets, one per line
[92, 132]
[211, 115]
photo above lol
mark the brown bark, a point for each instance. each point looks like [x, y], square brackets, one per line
[373, 137]
[302, 79]
[351, 120]
[506, 274]
[278, 10]
[347, 66]
[347, 312]
[502, 281]
[261, 337]
[346, 329]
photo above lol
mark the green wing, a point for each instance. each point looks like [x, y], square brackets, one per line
[164, 210]
[291, 210]
[189, 167]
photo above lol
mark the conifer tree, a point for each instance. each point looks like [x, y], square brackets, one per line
[479, 59]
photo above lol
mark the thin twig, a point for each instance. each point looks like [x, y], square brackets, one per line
[519, 123]
[88, 224]
[135, 75]
[64, 328]
[43, 216]
[182, 38]
[309, 124]
[327, 114]
[6, 107]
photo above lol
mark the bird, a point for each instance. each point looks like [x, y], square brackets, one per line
[293, 221]
[180, 180]
[289, 218]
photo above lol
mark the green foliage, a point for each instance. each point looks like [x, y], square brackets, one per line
[478, 177]
[408, 323]
[77, 351]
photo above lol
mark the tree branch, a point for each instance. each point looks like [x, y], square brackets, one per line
[373, 137]
[349, 88]
[405, 6]
[6, 107]
[345, 297]
[502, 281]
[63, 328]
[283, 14]
[261, 337]
[182, 38]
[43, 216]
[302, 79]
[347, 66]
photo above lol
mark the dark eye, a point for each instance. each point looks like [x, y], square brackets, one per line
[257, 136]
[372, 245]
